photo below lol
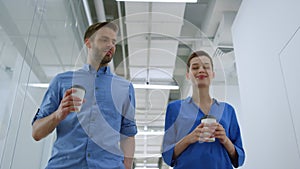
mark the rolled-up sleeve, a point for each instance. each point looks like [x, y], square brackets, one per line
[50, 101]
[128, 127]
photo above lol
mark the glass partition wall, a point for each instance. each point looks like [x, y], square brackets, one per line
[38, 39]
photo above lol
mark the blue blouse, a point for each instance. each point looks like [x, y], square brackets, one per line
[90, 138]
[182, 117]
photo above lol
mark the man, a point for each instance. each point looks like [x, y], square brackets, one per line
[101, 134]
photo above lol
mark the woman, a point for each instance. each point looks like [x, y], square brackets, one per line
[185, 144]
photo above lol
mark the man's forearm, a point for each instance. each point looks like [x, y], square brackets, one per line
[128, 147]
[42, 127]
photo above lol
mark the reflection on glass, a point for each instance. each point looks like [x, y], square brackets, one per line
[38, 39]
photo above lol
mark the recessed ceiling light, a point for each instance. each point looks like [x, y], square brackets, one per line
[186, 1]
[137, 86]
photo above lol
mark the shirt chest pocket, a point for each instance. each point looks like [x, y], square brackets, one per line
[106, 105]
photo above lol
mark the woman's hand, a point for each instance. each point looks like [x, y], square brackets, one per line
[220, 134]
[196, 134]
[203, 132]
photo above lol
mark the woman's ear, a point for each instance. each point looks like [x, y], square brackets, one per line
[187, 75]
[213, 74]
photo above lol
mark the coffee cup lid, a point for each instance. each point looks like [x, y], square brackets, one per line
[78, 86]
[208, 116]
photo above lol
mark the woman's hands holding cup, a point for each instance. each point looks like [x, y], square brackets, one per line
[207, 133]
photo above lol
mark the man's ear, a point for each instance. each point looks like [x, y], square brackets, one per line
[87, 43]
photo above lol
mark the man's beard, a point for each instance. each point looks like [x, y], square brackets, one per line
[102, 59]
[106, 59]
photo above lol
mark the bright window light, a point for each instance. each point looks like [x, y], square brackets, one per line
[39, 85]
[151, 133]
[186, 1]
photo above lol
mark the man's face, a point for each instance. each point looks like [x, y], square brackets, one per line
[103, 45]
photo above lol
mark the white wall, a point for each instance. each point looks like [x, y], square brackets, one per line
[231, 95]
[266, 44]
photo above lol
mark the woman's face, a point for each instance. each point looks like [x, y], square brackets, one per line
[200, 71]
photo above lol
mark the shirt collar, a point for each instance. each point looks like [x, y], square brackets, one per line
[190, 100]
[89, 68]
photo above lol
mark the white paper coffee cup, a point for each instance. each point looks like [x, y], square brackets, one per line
[80, 92]
[207, 120]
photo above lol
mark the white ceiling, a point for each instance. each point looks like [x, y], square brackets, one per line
[155, 42]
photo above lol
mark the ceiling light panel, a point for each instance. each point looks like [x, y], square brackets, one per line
[185, 1]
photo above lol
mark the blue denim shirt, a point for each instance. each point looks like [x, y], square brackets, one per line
[182, 117]
[91, 138]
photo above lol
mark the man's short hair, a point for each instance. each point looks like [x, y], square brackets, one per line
[96, 26]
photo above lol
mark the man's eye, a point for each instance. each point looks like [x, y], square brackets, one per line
[103, 40]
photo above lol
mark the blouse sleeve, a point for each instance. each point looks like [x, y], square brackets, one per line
[236, 138]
